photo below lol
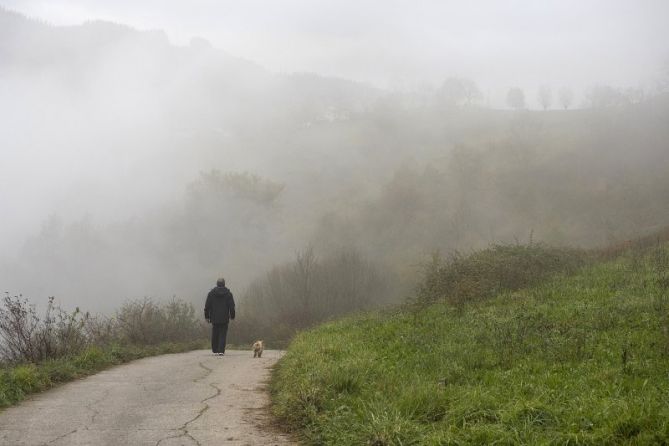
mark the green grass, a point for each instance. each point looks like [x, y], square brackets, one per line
[17, 382]
[577, 359]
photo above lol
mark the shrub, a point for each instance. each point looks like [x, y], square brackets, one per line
[146, 322]
[488, 272]
[26, 337]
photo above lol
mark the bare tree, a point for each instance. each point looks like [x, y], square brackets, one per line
[304, 271]
[545, 96]
[566, 97]
[310, 289]
[515, 98]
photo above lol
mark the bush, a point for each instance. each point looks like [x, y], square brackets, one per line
[486, 273]
[25, 337]
[146, 322]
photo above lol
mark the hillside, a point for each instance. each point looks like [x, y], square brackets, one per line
[580, 358]
[170, 151]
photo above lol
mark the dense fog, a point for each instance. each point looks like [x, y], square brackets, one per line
[146, 163]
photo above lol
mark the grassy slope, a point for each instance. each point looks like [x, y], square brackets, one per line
[17, 382]
[576, 360]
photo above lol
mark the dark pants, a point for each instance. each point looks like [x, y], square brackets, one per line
[218, 334]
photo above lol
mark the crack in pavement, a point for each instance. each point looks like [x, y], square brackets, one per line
[168, 438]
[218, 392]
[60, 437]
[184, 427]
[96, 412]
[89, 407]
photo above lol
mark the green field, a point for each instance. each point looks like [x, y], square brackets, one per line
[580, 358]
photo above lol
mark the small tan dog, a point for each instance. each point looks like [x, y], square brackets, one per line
[258, 348]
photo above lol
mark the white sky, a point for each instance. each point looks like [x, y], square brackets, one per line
[403, 43]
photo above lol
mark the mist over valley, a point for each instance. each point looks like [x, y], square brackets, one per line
[133, 166]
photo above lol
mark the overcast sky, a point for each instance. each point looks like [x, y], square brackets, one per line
[403, 43]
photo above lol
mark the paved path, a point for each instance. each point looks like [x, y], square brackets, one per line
[183, 399]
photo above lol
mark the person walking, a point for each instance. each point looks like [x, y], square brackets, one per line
[219, 309]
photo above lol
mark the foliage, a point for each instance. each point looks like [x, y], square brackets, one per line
[307, 291]
[479, 175]
[554, 174]
[215, 187]
[576, 359]
[145, 322]
[491, 271]
[26, 337]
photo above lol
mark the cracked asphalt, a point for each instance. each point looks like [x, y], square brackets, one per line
[190, 398]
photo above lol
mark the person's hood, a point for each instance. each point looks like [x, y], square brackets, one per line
[220, 290]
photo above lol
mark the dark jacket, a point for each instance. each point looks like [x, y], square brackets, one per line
[220, 306]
